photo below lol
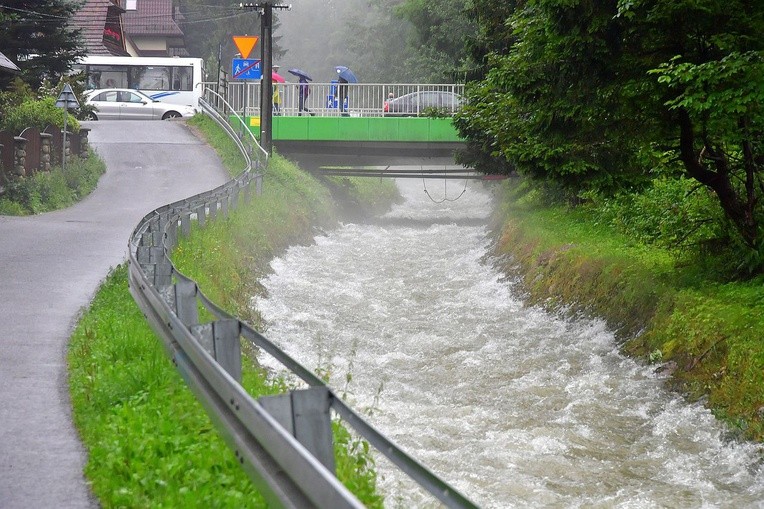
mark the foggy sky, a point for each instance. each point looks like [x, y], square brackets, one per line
[312, 33]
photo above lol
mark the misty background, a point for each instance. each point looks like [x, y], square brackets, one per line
[382, 41]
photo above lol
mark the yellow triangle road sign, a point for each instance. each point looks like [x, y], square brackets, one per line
[245, 43]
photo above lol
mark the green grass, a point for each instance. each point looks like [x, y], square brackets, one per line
[149, 442]
[661, 307]
[230, 156]
[46, 191]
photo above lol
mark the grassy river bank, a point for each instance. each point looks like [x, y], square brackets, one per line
[708, 335]
[151, 444]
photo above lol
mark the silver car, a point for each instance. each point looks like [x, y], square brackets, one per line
[417, 103]
[129, 104]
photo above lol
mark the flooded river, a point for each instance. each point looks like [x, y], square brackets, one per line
[513, 406]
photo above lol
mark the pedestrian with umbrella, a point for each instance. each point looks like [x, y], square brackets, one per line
[344, 76]
[276, 78]
[303, 90]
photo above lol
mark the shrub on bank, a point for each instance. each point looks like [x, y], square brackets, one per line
[664, 307]
[47, 191]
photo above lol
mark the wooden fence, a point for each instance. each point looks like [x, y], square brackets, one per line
[33, 150]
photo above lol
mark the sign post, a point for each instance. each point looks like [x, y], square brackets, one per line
[245, 68]
[265, 9]
[66, 99]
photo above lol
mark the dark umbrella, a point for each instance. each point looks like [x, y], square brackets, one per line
[346, 74]
[300, 73]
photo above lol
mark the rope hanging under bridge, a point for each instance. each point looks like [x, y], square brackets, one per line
[445, 191]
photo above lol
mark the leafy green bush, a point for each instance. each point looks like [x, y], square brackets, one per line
[53, 190]
[39, 114]
[17, 93]
[672, 213]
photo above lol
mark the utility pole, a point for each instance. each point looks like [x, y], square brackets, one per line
[265, 9]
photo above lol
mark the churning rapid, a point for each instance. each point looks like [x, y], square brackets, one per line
[513, 406]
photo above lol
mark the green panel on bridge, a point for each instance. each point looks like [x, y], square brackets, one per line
[351, 129]
[290, 128]
[364, 129]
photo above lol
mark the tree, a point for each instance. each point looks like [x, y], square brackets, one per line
[556, 105]
[711, 77]
[492, 34]
[589, 92]
[440, 28]
[37, 37]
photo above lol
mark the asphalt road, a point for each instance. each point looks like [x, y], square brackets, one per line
[50, 267]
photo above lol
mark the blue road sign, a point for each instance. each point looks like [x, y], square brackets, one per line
[246, 69]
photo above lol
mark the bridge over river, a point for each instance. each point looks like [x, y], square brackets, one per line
[375, 127]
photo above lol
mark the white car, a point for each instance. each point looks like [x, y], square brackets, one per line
[129, 104]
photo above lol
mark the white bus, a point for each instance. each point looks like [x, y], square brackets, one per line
[175, 80]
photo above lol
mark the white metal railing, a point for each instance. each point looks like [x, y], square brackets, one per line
[351, 99]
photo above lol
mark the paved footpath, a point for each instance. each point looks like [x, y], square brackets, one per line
[50, 267]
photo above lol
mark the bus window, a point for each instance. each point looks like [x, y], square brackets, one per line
[182, 78]
[106, 76]
[155, 77]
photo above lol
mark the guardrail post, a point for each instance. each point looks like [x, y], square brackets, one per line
[162, 272]
[185, 224]
[201, 215]
[228, 346]
[305, 415]
[214, 209]
[172, 234]
[224, 205]
[248, 191]
[221, 340]
[185, 302]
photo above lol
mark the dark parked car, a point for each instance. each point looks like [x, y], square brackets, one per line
[416, 103]
[128, 104]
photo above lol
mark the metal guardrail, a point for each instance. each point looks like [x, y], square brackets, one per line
[284, 442]
[354, 100]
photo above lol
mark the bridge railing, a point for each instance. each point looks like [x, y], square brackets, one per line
[352, 99]
[284, 442]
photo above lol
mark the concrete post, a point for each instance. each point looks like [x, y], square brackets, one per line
[46, 142]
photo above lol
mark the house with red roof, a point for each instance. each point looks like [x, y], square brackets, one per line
[152, 30]
[131, 28]
[101, 24]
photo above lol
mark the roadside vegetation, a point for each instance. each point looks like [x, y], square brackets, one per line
[149, 442]
[50, 190]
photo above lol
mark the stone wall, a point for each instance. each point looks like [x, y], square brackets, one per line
[47, 149]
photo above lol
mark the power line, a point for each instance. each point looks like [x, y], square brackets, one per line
[78, 20]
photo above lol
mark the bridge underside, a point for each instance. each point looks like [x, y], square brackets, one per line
[377, 158]
[368, 153]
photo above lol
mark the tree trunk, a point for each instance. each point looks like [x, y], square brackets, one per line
[737, 209]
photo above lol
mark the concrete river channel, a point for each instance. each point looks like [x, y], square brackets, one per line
[514, 406]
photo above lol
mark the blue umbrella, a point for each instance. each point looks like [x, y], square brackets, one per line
[346, 74]
[300, 73]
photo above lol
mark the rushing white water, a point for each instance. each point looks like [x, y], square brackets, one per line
[511, 405]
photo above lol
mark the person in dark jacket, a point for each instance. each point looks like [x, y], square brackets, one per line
[343, 89]
[304, 92]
